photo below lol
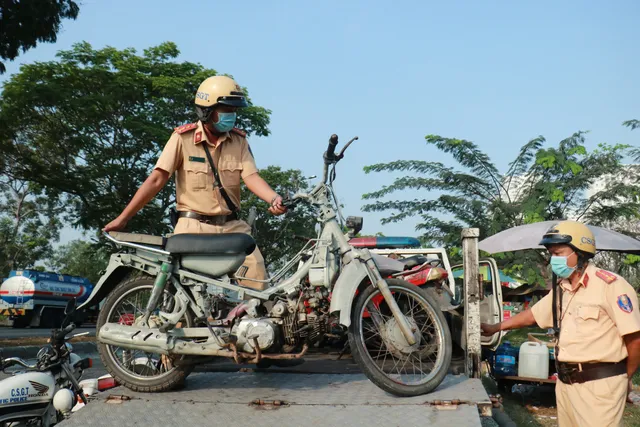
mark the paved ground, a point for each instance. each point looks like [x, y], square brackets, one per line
[11, 333]
[323, 364]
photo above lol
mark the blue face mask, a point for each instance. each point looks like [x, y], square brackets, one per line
[560, 267]
[226, 121]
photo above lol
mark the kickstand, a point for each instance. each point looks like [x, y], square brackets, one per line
[344, 350]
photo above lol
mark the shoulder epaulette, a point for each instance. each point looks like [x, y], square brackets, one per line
[239, 132]
[606, 276]
[186, 128]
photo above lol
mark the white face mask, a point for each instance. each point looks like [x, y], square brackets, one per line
[226, 121]
[559, 266]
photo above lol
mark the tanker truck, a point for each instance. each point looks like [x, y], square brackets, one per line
[37, 299]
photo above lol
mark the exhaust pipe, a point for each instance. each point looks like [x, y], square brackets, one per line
[134, 338]
[154, 341]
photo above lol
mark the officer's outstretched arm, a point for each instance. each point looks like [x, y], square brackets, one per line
[147, 191]
[520, 320]
[260, 188]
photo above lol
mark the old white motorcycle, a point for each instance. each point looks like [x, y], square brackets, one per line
[172, 302]
[43, 393]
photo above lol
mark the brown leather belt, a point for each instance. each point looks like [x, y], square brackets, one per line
[578, 373]
[209, 219]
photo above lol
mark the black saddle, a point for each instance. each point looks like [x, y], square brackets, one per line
[211, 244]
[413, 261]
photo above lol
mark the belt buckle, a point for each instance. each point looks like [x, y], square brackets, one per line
[566, 374]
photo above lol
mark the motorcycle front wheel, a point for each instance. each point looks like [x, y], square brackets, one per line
[383, 353]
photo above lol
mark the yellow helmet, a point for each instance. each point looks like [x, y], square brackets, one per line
[218, 90]
[572, 233]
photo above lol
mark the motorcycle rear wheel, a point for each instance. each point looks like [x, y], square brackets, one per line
[381, 350]
[135, 378]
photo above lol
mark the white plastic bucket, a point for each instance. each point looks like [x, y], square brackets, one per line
[533, 360]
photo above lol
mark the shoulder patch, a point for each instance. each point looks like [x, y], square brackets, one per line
[239, 132]
[606, 276]
[186, 128]
[624, 302]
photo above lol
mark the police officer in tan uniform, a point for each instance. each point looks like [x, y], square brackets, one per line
[209, 158]
[598, 349]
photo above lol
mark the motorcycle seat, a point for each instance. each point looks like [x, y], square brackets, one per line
[211, 244]
[413, 261]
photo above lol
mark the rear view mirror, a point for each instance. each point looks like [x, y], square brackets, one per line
[70, 307]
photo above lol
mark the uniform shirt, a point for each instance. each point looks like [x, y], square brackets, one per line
[184, 154]
[597, 314]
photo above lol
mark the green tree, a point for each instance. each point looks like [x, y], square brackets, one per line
[25, 23]
[540, 184]
[29, 223]
[79, 258]
[279, 238]
[633, 125]
[91, 125]
[627, 265]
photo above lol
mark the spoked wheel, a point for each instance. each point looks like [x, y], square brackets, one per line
[383, 353]
[136, 369]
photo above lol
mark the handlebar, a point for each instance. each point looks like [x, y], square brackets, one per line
[330, 158]
[59, 335]
[330, 154]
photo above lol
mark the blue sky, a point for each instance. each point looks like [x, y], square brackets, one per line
[496, 73]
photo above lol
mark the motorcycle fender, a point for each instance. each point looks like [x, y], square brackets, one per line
[344, 291]
[115, 272]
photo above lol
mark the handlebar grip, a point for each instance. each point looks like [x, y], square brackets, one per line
[63, 333]
[333, 141]
[289, 203]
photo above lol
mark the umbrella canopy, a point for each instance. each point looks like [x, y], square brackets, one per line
[528, 237]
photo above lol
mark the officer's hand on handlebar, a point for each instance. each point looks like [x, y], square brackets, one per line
[488, 330]
[277, 206]
[116, 225]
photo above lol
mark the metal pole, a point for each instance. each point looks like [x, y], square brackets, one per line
[470, 259]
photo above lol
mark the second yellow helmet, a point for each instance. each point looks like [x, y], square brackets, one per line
[572, 233]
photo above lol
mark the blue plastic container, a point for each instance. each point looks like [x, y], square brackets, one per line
[506, 360]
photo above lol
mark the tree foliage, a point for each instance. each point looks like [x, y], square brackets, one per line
[541, 183]
[90, 126]
[25, 23]
[79, 258]
[279, 238]
[29, 223]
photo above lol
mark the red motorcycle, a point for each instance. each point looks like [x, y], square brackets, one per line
[418, 269]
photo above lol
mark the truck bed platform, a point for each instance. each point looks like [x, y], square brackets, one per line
[286, 399]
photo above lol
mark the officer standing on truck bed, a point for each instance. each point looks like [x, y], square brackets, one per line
[598, 322]
[209, 158]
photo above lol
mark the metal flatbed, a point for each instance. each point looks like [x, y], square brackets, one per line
[287, 399]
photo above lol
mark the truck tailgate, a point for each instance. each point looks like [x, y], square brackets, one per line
[286, 399]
